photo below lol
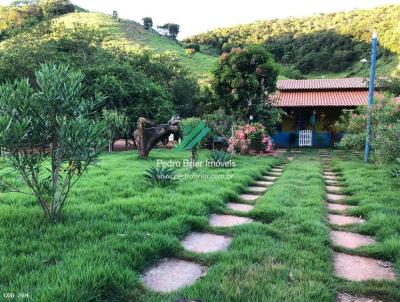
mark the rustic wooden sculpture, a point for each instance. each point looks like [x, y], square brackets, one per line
[147, 138]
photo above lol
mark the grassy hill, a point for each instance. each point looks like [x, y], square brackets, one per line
[199, 63]
[320, 45]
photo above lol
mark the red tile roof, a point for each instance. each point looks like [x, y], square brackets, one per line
[323, 84]
[335, 98]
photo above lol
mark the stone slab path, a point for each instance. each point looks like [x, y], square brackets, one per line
[350, 267]
[206, 242]
[217, 220]
[240, 207]
[357, 268]
[171, 274]
[350, 240]
[257, 190]
[249, 197]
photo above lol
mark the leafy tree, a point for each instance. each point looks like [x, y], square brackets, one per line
[243, 78]
[147, 23]
[52, 8]
[49, 133]
[171, 30]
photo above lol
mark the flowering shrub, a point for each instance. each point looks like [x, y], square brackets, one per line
[250, 139]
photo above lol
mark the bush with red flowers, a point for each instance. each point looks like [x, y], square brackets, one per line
[250, 139]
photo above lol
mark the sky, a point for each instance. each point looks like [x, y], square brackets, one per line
[202, 15]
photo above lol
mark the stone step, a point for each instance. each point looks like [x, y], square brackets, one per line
[206, 242]
[350, 240]
[342, 208]
[329, 174]
[257, 190]
[327, 177]
[334, 189]
[274, 174]
[270, 178]
[277, 170]
[290, 158]
[357, 268]
[349, 298]
[332, 182]
[335, 197]
[217, 220]
[172, 274]
[263, 183]
[344, 220]
[240, 207]
[249, 197]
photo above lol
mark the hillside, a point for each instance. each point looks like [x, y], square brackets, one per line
[199, 64]
[320, 45]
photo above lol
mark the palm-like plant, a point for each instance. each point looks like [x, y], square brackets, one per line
[160, 175]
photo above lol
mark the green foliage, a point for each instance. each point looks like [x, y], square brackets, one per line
[194, 46]
[325, 42]
[170, 30]
[220, 158]
[51, 8]
[115, 15]
[50, 124]
[134, 78]
[160, 175]
[242, 80]
[395, 172]
[385, 139]
[118, 125]
[147, 23]
[220, 123]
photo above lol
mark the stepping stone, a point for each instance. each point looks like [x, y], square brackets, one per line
[329, 174]
[240, 207]
[290, 158]
[264, 183]
[274, 173]
[172, 274]
[327, 177]
[357, 268]
[206, 242]
[270, 178]
[339, 207]
[277, 170]
[248, 197]
[331, 182]
[348, 298]
[350, 240]
[257, 190]
[344, 220]
[335, 197]
[334, 189]
[228, 220]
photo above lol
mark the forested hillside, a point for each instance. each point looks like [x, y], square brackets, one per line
[331, 43]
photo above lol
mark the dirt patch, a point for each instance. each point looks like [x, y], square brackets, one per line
[344, 220]
[206, 242]
[356, 268]
[350, 240]
[228, 220]
[240, 207]
[172, 274]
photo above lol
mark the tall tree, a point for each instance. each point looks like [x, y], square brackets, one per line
[147, 23]
[171, 30]
[243, 78]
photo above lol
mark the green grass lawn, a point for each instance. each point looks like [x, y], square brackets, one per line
[116, 225]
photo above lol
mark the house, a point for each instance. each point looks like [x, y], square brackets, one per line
[316, 105]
